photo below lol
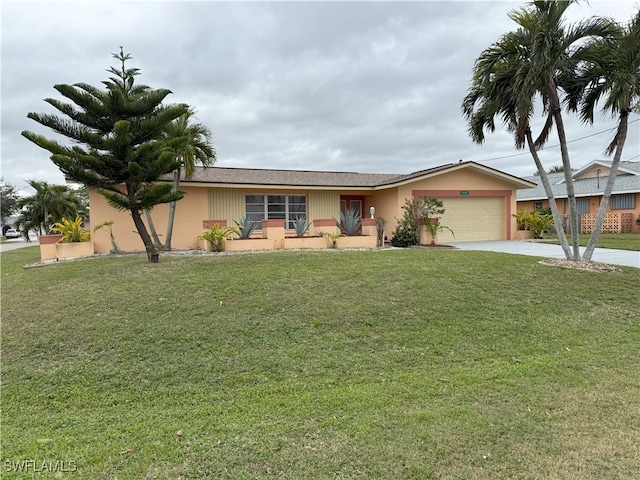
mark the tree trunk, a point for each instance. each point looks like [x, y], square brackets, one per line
[606, 195]
[114, 244]
[574, 219]
[557, 220]
[172, 210]
[152, 228]
[152, 251]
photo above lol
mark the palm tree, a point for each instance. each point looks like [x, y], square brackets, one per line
[499, 90]
[552, 54]
[534, 57]
[47, 206]
[192, 146]
[609, 73]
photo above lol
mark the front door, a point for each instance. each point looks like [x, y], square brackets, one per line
[351, 203]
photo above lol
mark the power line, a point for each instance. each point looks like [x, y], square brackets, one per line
[555, 146]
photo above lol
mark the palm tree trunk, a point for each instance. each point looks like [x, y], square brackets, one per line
[557, 219]
[574, 219]
[606, 195]
[172, 210]
[152, 228]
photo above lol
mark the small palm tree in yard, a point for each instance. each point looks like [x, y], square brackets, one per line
[193, 142]
[108, 227]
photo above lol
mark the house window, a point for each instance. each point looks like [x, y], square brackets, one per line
[269, 207]
[622, 202]
[537, 205]
[582, 206]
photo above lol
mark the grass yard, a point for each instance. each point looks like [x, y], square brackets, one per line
[392, 364]
[623, 241]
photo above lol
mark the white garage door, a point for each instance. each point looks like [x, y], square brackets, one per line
[473, 219]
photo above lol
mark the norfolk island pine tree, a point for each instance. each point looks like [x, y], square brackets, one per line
[117, 142]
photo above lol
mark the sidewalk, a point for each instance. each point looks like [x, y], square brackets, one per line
[611, 256]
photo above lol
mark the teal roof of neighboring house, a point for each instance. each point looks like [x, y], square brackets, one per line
[627, 181]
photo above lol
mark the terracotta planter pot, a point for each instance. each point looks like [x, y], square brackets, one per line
[48, 239]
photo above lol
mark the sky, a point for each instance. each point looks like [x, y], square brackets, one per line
[372, 87]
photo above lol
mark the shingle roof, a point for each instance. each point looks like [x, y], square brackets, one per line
[587, 187]
[305, 178]
[256, 176]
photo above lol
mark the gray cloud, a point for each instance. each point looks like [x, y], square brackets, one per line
[354, 86]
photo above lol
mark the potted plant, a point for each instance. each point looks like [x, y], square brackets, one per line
[74, 241]
[217, 235]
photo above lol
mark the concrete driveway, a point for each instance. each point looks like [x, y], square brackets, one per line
[16, 243]
[611, 256]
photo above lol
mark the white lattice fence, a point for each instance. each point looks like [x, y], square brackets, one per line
[626, 222]
[613, 222]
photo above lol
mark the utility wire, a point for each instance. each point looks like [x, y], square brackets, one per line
[555, 146]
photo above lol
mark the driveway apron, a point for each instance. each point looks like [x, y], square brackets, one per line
[611, 256]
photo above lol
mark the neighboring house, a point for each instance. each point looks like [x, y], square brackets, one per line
[589, 182]
[479, 201]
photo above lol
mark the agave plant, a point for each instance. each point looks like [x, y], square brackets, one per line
[301, 226]
[217, 235]
[71, 230]
[247, 226]
[350, 222]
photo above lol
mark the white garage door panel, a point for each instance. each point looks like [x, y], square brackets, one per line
[473, 219]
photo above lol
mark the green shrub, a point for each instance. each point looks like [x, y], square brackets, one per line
[71, 231]
[539, 221]
[217, 235]
[404, 237]
[407, 232]
[539, 224]
[521, 219]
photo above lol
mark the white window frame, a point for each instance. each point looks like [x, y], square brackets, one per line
[269, 199]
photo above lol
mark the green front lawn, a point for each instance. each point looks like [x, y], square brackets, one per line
[623, 241]
[383, 364]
